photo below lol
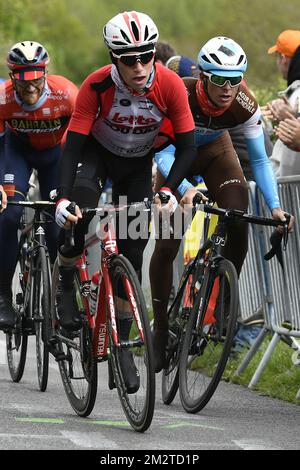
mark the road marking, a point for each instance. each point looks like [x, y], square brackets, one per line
[29, 436]
[3, 357]
[41, 420]
[184, 425]
[89, 440]
[110, 423]
[256, 444]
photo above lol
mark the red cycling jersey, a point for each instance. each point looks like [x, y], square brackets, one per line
[127, 125]
[43, 127]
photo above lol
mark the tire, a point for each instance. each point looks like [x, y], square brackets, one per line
[177, 324]
[17, 339]
[139, 406]
[77, 365]
[207, 346]
[40, 309]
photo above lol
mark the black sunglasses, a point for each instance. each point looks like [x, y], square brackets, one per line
[131, 59]
[37, 82]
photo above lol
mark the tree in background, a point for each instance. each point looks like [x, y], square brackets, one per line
[72, 29]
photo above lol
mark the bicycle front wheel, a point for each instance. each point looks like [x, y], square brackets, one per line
[128, 297]
[74, 353]
[17, 338]
[40, 309]
[177, 324]
[208, 338]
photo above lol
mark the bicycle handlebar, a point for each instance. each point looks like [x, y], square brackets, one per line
[146, 205]
[69, 235]
[31, 204]
[252, 219]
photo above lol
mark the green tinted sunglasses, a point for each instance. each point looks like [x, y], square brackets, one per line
[221, 81]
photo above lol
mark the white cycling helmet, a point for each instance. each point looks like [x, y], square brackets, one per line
[27, 54]
[222, 56]
[130, 30]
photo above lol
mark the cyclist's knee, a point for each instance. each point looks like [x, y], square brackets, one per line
[234, 197]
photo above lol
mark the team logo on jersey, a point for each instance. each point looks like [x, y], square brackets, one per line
[246, 102]
[139, 120]
[46, 111]
[145, 104]
[125, 102]
[37, 125]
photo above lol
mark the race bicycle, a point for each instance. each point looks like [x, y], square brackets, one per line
[78, 353]
[31, 293]
[202, 317]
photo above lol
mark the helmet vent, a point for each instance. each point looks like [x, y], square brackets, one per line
[135, 31]
[153, 38]
[118, 43]
[226, 51]
[240, 59]
[206, 59]
[216, 58]
[146, 33]
[125, 37]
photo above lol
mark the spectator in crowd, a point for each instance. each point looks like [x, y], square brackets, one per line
[163, 52]
[183, 66]
[288, 131]
[285, 160]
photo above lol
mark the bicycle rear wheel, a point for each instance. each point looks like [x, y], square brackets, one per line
[208, 338]
[77, 365]
[17, 338]
[40, 309]
[139, 406]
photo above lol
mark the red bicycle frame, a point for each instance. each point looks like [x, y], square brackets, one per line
[105, 299]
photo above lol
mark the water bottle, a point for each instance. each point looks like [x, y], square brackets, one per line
[93, 292]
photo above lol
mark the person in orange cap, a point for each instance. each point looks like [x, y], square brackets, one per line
[287, 48]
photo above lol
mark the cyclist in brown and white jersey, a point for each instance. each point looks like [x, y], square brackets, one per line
[219, 100]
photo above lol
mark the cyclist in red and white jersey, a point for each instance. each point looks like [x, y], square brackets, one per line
[35, 109]
[118, 115]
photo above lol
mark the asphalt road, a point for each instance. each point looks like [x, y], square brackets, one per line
[235, 418]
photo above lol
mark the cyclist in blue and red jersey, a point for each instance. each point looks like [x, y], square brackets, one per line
[118, 115]
[219, 100]
[35, 109]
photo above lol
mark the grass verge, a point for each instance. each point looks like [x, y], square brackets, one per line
[281, 377]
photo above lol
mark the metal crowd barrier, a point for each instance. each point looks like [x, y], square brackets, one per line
[268, 286]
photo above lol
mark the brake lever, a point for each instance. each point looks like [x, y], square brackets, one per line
[69, 235]
[286, 231]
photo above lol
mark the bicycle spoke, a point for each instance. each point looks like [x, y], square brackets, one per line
[207, 347]
[77, 365]
[136, 346]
